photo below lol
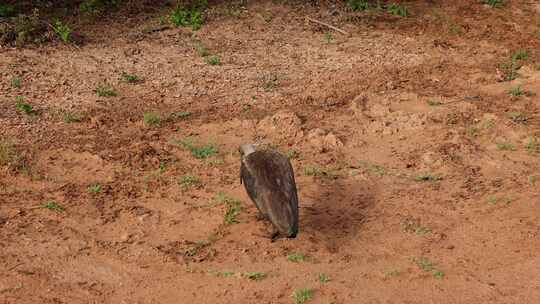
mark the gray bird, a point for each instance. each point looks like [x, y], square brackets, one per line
[269, 181]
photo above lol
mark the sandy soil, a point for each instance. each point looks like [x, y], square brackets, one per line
[417, 172]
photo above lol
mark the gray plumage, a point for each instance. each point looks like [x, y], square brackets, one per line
[269, 181]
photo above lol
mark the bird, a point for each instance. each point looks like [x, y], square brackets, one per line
[268, 178]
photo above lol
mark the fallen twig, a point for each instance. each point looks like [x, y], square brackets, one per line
[328, 25]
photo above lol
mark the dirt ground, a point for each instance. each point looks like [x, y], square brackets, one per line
[417, 171]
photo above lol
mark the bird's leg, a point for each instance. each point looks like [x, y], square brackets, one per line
[275, 235]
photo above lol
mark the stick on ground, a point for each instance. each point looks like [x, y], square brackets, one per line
[328, 25]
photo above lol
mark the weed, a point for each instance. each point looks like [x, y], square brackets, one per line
[201, 50]
[16, 82]
[224, 274]
[26, 108]
[323, 278]
[509, 70]
[424, 264]
[194, 248]
[199, 152]
[188, 15]
[506, 147]
[516, 91]
[373, 168]
[427, 177]
[472, 131]
[69, 117]
[494, 3]
[300, 296]
[216, 162]
[531, 146]
[256, 276]
[181, 114]
[358, 5]
[410, 225]
[392, 273]
[296, 257]
[531, 179]
[492, 200]
[105, 90]
[152, 119]
[313, 171]
[292, 153]
[6, 10]
[212, 60]
[516, 117]
[62, 30]
[433, 103]
[8, 153]
[521, 54]
[398, 10]
[187, 181]
[328, 37]
[438, 274]
[129, 78]
[52, 205]
[269, 82]
[233, 207]
[94, 189]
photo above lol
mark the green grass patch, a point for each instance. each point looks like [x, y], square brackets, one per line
[296, 257]
[212, 60]
[16, 82]
[397, 10]
[301, 296]
[62, 30]
[531, 146]
[323, 278]
[129, 78]
[152, 119]
[256, 276]
[506, 146]
[105, 90]
[198, 151]
[52, 205]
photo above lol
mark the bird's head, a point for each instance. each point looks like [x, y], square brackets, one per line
[247, 149]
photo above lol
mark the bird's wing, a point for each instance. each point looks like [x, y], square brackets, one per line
[250, 184]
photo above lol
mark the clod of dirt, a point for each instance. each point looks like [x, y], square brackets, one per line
[282, 126]
[323, 141]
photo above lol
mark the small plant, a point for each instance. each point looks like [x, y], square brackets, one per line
[323, 278]
[438, 274]
[16, 82]
[516, 117]
[195, 247]
[129, 78]
[516, 91]
[152, 119]
[6, 10]
[531, 179]
[494, 3]
[181, 114]
[256, 276]
[188, 15]
[424, 264]
[69, 117]
[26, 108]
[269, 82]
[212, 60]
[313, 171]
[187, 181]
[427, 177]
[506, 146]
[233, 207]
[296, 257]
[224, 274]
[94, 189]
[521, 54]
[105, 90]
[199, 152]
[328, 37]
[62, 30]
[410, 225]
[8, 153]
[292, 153]
[531, 146]
[397, 10]
[300, 296]
[433, 103]
[52, 205]
[492, 200]
[373, 168]
[201, 50]
[358, 5]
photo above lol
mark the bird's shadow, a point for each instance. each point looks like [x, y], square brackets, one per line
[333, 212]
